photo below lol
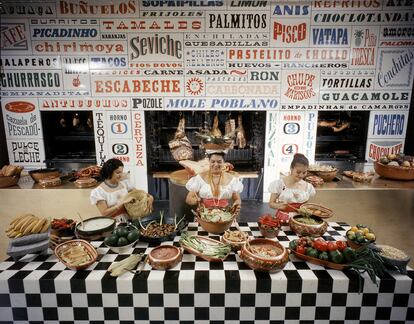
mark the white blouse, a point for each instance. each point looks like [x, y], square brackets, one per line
[112, 197]
[198, 184]
[289, 195]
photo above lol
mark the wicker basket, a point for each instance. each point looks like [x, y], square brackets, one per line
[138, 207]
[394, 172]
[43, 173]
[9, 181]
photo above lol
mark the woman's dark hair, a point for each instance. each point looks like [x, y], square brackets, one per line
[222, 154]
[109, 167]
[299, 158]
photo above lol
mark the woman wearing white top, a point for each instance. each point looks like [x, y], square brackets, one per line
[215, 187]
[110, 195]
[291, 189]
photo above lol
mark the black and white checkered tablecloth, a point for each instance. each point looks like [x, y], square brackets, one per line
[38, 288]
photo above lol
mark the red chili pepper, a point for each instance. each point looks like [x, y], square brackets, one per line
[320, 245]
[332, 246]
[300, 249]
[341, 245]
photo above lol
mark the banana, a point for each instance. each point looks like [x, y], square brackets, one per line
[18, 235]
[16, 219]
[45, 226]
[29, 222]
[20, 223]
[28, 229]
[13, 234]
[39, 225]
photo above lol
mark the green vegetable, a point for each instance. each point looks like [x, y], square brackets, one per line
[349, 254]
[219, 250]
[133, 235]
[122, 241]
[111, 240]
[324, 256]
[293, 244]
[121, 231]
[312, 252]
[336, 256]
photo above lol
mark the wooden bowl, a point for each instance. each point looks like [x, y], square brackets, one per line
[235, 245]
[266, 264]
[308, 229]
[85, 230]
[269, 232]
[89, 250]
[394, 172]
[327, 176]
[165, 257]
[215, 228]
[43, 173]
[9, 181]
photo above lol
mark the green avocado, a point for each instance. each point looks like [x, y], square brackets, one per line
[133, 235]
[121, 231]
[122, 241]
[111, 240]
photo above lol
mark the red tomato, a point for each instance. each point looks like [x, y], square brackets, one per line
[300, 249]
[341, 245]
[332, 246]
[320, 245]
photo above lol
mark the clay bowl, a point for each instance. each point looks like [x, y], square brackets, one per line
[95, 228]
[308, 229]
[265, 264]
[327, 176]
[394, 172]
[165, 257]
[9, 181]
[235, 245]
[269, 232]
[44, 173]
[214, 227]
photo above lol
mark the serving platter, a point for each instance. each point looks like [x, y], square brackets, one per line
[328, 264]
[207, 240]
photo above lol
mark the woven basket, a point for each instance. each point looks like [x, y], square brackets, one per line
[137, 208]
[9, 181]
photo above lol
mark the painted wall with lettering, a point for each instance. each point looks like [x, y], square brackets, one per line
[119, 58]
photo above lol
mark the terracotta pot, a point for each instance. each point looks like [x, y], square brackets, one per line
[165, 257]
[269, 232]
[215, 228]
[394, 172]
[306, 229]
[271, 264]
[235, 246]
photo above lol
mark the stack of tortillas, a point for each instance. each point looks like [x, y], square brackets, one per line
[137, 208]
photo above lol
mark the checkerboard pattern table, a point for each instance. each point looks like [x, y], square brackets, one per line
[38, 288]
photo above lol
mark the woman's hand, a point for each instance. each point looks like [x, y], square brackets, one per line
[126, 200]
[150, 201]
[236, 207]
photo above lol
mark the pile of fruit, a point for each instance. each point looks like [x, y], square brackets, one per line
[121, 236]
[397, 160]
[360, 234]
[333, 251]
[27, 224]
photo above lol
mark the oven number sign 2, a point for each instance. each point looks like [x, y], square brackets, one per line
[290, 149]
